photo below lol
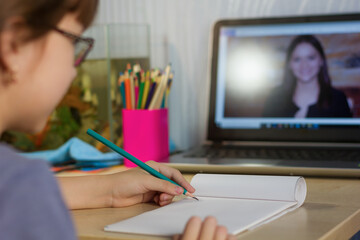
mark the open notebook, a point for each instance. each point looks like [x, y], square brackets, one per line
[239, 202]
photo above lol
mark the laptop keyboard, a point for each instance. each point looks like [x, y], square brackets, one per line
[281, 153]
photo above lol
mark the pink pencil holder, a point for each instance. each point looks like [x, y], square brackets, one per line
[146, 135]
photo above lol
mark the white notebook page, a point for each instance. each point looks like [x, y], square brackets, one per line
[239, 202]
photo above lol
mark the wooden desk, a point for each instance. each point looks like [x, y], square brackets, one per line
[331, 211]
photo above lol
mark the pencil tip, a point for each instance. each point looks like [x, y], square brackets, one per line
[192, 196]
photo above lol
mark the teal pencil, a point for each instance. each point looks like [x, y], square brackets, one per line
[122, 89]
[163, 102]
[134, 159]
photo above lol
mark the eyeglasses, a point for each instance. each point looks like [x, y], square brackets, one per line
[82, 45]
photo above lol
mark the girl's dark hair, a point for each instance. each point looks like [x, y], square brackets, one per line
[39, 16]
[289, 82]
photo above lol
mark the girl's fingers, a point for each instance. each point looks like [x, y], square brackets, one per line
[192, 229]
[196, 229]
[208, 228]
[221, 233]
[173, 174]
[158, 185]
[164, 203]
[157, 199]
[165, 199]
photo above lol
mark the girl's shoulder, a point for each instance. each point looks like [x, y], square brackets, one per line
[12, 163]
[27, 189]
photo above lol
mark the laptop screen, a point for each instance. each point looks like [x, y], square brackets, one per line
[286, 79]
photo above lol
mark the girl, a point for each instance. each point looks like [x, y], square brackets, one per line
[38, 40]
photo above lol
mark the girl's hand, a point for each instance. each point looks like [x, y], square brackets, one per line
[195, 229]
[136, 186]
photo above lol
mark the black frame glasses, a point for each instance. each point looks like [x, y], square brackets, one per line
[82, 45]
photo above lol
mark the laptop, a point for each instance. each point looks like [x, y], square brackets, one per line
[279, 103]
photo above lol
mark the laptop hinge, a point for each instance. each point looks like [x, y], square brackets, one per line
[217, 143]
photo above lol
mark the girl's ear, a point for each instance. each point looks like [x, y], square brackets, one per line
[10, 39]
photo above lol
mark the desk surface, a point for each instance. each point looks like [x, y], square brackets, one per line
[331, 211]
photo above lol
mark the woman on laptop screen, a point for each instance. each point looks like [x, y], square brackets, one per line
[306, 90]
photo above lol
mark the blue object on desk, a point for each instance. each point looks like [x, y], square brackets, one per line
[83, 153]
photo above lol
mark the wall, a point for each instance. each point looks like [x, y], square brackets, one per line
[180, 31]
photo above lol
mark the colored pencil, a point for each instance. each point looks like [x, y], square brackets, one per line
[136, 92]
[123, 93]
[146, 90]
[141, 92]
[132, 91]
[137, 70]
[168, 90]
[127, 93]
[150, 95]
[122, 88]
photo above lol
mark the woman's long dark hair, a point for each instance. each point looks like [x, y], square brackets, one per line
[289, 83]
